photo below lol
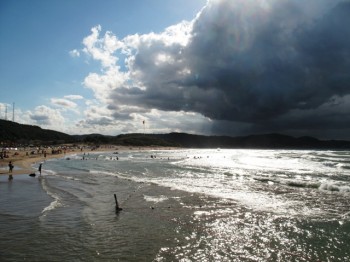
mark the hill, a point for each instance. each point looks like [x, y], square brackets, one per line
[14, 133]
[266, 141]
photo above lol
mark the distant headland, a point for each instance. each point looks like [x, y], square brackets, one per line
[12, 133]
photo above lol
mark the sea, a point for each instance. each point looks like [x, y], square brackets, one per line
[180, 205]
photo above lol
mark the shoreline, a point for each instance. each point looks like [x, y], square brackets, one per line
[23, 162]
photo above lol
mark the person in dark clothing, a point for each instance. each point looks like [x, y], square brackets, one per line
[10, 167]
[10, 170]
[40, 168]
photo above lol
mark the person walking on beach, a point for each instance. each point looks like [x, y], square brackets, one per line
[39, 169]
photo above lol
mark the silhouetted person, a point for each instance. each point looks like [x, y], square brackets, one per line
[10, 167]
[40, 168]
[10, 170]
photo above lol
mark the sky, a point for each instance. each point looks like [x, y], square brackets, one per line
[216, 67]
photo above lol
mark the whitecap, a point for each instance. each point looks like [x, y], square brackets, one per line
[55, 203]
[155, 199]
[334, 187]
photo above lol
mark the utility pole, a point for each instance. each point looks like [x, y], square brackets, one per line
[6, 112]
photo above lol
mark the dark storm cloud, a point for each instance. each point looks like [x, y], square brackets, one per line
[268, 64]
[282, 62]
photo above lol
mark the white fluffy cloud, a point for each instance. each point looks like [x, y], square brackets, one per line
[74, 97]
[102, 49]
[74, 53]
[64, 103]
[47, 117]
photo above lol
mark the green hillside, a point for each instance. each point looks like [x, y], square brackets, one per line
[12, 132]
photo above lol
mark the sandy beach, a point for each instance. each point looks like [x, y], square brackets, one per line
[23, 160]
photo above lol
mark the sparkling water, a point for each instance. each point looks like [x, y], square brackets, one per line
[181, 205]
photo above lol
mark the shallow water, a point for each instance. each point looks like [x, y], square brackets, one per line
[183, 205]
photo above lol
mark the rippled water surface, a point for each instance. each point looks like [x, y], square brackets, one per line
[182, 205]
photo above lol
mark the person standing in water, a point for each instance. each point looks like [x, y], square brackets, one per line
[10, 170]
[39, 169]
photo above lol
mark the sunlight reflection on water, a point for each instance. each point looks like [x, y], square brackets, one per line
[185, 205]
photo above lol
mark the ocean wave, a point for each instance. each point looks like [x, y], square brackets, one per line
[50, 172]
[127, 177]
[70, 178]
[266, 180]
[63, 176]
[155, 199]
[56, 200]
[97, 172]
[54, 204]
[80, 169]
[303, 184]
[292, 183]
[330, 164]
[343, 166]
[118, 175]
[329, 186]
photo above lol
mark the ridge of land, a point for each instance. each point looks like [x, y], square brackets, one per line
[15, 134]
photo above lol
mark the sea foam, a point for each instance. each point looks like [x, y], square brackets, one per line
[334, 187]
[56, 200]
